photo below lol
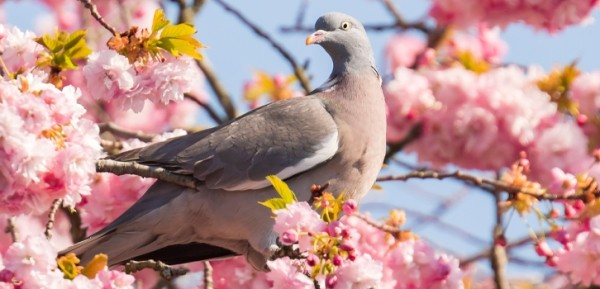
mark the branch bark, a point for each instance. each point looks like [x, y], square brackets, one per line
[51, 217]
[165, 271]
[124, 133]
[218, 88]
[298, 70]
[133, 168]
[94, 11]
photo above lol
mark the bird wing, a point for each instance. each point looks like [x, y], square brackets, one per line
[283, 138]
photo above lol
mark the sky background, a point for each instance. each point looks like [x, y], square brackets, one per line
[235, 52]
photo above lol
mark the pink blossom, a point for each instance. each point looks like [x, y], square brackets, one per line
[286, 274]
[586, 91]
[562, 145]
[402, 50]
[300, 216]
[237, 273]
[362, 273]
[485, 44]
[548, 15]
[543, 249]
[483, 121]
[408, 96]
[109, 76]
[563, 184]
[50, 151]
[582, 259]
[19, 50]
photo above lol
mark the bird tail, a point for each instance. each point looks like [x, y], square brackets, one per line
[139, 235]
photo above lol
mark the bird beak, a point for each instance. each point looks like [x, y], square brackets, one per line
[315, 38]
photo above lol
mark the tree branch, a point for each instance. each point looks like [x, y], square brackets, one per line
[498, 258]
[298, 70]
[218, 88]
[133, 168]
[208, 279]
[488, 185]
[94, 11]
[11, 229]
[486, 253]
[51, 217]
[413, 134]
[165, 271]
[77, 232]
[211, 112]
[124, 133]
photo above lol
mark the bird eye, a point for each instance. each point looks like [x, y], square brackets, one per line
[346, 25]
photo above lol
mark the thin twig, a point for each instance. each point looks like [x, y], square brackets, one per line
[5, 71]
[187, 13]
[124, 133]
[51, 217]
[165, 271]
[488, 185]
[211, 111]
[218, 88]
[94, 11]
[122, 168]
[401, 22]
[11, 229]
[486, 253]
[208, 279]
[298, 70]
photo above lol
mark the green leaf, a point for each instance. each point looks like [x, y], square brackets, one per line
[178, 30]
[160, 21]
[74, 39]
[177, 47]
[282, 189]
[274, 204]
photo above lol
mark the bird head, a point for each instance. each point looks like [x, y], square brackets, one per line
[345, 40]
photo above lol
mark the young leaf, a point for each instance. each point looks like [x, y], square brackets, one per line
[160, 21]
[283, 189]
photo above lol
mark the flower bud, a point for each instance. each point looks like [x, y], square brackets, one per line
[543, 249]
[349, 207]
[312, 260]
[289, 237]
[330, 281]
[337, 260]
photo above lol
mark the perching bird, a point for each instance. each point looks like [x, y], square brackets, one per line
[334, 135]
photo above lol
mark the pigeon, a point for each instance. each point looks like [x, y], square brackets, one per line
[335, 135]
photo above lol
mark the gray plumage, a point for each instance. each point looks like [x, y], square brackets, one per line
[334, 135]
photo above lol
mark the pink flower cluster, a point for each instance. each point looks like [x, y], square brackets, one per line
[476, 121]
[31, 264]
[375, 259]
[550, 15]
[19, 51]
[580, 252]
[482, 44]
[47, 150]
[109, 76]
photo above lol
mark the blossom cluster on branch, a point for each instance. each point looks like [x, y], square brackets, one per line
[471, 110]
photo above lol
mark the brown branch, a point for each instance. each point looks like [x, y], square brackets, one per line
[498, 258]
[94, 11]
[124, 133]
[208, 279]
[486, 253]
[77, 232]
[211, 111]
[298, 70]
[188, 12]
[51, 217]
[485, 184]
[11, 229]
[218, 88]
[133, 168]
[165, 271]
[413, 134]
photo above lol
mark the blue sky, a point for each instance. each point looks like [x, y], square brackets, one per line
[236, 52]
